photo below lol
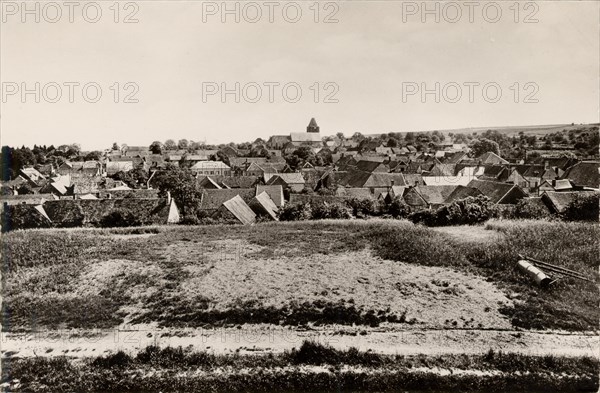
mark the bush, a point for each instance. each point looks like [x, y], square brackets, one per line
[363, 207]
[300, 211]
[425, 217]
[330, 210]
[471, 210]
[583, 208]
[398, 208]
[528, 209]
[120, 218]
[316, 211]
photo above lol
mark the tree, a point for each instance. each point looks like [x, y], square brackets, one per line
[392, 142]
[119, 218]
[93, 156]
[531, 140]
[194, 146]
[156, 147]
[357, 137]
[115, 146]
[340, 136]
[484, 145]
[182, 144]
[25, 189]
[170, 144]
[182, 185]
[74, 150]
[584, 207]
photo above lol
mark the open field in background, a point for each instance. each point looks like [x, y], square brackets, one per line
[537, 130]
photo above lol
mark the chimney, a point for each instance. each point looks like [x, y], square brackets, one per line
[416, 183]
[546, 165]
[553, 183]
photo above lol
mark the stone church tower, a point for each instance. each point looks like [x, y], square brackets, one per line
[312, 126]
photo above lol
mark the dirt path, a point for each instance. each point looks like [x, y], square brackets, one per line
[263, 339]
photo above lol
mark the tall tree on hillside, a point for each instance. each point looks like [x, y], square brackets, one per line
[170, 144]
[182, 185]
[93, 156]
[182, 144]
[484, 145]
[156, 147]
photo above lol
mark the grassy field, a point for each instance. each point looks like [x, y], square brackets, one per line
[311, 367]
[317, 273]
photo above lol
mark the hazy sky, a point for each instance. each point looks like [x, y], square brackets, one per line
[178, 48]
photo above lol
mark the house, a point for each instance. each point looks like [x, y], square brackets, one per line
[311, 137]
[584, 175]
[294, 181]
[10, 187]
[211, 168]
[27, 199]
[258, 170]
[137, 193]
[83, 184]
[32, 175]
[305, 138]
[495, 173]
[316, 199]
[88, 168]
[154, 161]
[515, 177]
[236, 209]
[454, 158]
[462, 192]
[439, 169]
[233, 181]
[91, 168]
[498, 192]
[278, 141]
[490, 158]
[445, 180]
[212, 199]
[46, 169]
[208, 182]
[384, 150]
[375, 182]
[428, 196]
[23, 216]
[275, 193]
[230, 151]
[58, 185]
[345, 162]
[555, 185]
[90, 212]
[350, 192]
[557, 202]
[393, 193]
[113, 167]
[371, 166]
[263, 206]
[469, 170]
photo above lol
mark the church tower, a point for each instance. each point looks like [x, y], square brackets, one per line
[312, 126]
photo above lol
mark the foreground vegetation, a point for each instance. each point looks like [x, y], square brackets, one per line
[312, 367]
[41, 268]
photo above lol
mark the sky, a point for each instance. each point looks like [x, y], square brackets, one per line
[363, 71]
